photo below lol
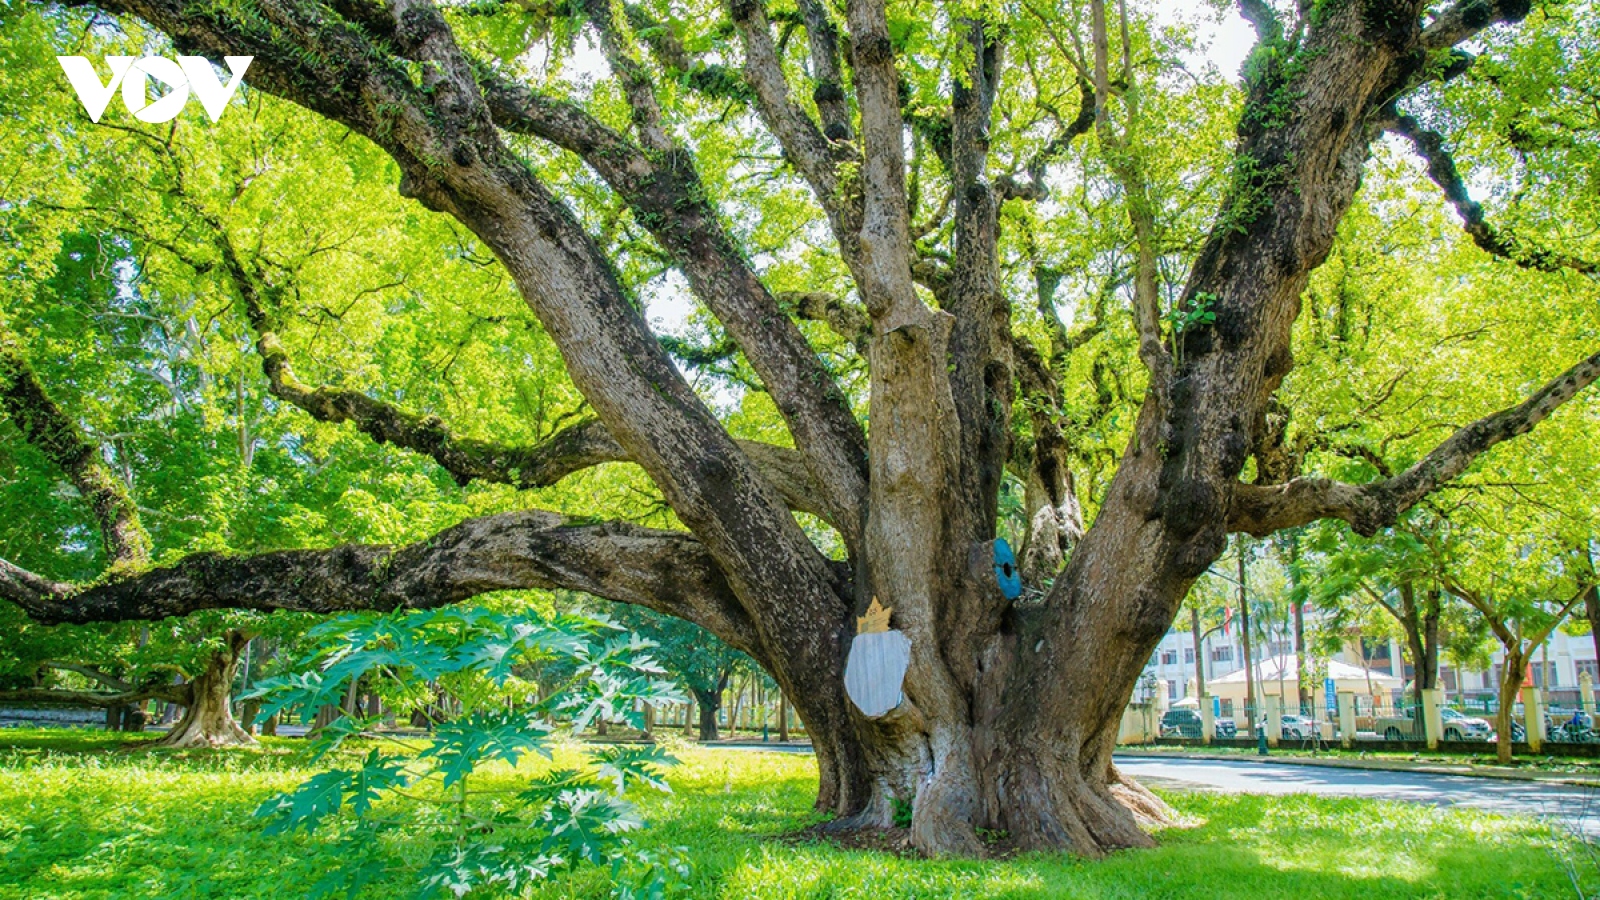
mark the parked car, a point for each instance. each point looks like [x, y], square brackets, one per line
[1181, 723]
[1186, 723]
[1297, 728]
[1458, 726]
[1400, 727]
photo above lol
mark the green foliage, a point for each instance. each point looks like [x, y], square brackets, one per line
[692, 656]
[480, 838]
[1182, 319]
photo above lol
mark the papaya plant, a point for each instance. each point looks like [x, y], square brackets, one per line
[476, 838]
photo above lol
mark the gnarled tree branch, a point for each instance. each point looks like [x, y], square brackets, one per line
[99, 699]
[1442, 170]
[823, 37]
[1465, 19]
[92, 673]
[49, 429]
[1261, 510]
[667, 571]
[665, 193]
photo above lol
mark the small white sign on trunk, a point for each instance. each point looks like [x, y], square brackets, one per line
[875, 672]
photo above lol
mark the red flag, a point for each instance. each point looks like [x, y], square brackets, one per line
[1227, 619]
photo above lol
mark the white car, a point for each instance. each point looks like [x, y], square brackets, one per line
[1298, 728]
[1461, 727]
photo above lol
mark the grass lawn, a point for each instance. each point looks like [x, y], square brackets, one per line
[82, 817]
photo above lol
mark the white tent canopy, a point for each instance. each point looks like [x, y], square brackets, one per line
[1279, 675]
[1286, 668]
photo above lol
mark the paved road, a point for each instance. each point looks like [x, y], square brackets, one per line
[1576, 806]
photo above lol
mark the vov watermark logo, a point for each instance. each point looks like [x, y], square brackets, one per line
[190, 74]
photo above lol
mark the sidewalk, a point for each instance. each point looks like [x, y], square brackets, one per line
[1280, 758]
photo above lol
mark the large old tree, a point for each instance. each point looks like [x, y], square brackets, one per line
[1011, 708]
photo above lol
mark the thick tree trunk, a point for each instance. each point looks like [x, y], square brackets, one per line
[1039, 773]
[1050, 501]
[208, 720]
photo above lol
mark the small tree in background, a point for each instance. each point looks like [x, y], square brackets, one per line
[703, 665]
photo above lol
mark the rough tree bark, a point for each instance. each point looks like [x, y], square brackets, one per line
[1011, 709]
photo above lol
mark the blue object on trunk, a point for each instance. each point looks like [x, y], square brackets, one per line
[1005, 569]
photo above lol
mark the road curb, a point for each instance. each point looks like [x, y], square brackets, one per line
[1380, 766]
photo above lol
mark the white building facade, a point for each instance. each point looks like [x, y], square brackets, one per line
[1556, 667]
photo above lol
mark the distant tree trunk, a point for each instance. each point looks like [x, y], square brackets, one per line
[783, 717]
[1199, 662]
[248, 710]
[738, 704]
[326, 715]
[1429, 676]
[1421, 625]
[709, 703]
[1304, 687]
[208, 721]
[1516, 663]
[170, 712]
[1251, 712]
[1591, 604]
